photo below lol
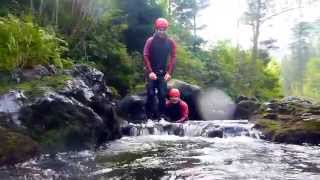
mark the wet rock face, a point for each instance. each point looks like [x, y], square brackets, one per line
[60, 123]
[290, 120]
[216, 133]
[10, 105]
[132, 107]
[245, 107]
[91, 76]
[80, 115]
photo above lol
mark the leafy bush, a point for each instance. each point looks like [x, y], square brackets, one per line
[24, 44]
[232, 70]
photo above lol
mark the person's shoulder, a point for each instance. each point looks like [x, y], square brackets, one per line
[150, 38]
[183, 103]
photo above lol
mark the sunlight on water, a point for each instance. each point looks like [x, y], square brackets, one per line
[215, 104]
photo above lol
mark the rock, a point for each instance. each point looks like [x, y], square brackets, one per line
[111, 122]
[241, 98]
[10, 105]
[132, 107]
[16, 147]
[174, 129]
[272, 116]
[78, 89]
[36, 72]
[245, 109]
[297, 122]
[216, 133]
[78, 116]
[295, 136]
[296, 100]
[52, 69]
[284, 117]
[60, 123]
[93, 78]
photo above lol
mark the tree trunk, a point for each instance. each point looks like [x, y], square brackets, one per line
[256, 33]
[31, 7]
[194, 32]
[57, 13]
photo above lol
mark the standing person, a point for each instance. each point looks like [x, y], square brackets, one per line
[176, 109]
[159, 62]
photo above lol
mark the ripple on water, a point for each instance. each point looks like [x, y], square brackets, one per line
[172, 157]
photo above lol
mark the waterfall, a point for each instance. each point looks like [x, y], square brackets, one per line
[216, 128]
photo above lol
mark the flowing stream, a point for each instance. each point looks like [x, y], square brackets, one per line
[168, 151]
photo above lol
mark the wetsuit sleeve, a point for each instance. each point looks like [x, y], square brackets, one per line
[173, 56]
[146, 55]
[184, 112]
[167, 103]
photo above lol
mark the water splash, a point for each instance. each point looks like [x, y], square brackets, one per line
[214, 128]
[215, 104]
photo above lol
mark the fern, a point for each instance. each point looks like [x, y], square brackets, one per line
[24, 44]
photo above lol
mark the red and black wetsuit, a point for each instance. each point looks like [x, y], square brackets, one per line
[160, 58]
[177, 112]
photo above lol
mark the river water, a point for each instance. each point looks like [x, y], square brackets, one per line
[168, 151]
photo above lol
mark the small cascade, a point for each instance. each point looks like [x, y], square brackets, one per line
[214, 128]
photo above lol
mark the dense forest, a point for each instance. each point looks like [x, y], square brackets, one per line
[110, 35]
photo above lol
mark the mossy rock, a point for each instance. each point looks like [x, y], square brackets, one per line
[16, 147]
[293, 132]
[60, 126]
[36, 87]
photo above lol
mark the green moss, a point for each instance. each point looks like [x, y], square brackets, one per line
[296, 132]
[307, 126]
[36, 87]
[16, 147]
[269, 126]
[56, 140]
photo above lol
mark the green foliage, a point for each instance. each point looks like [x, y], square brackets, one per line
[300, 70]
[312, 79]
[24, 44]
[140, 16]
[232, 70]
[104, 47]
[188, 68]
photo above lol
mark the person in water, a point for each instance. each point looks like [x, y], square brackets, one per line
[176, 109]
[159, 60]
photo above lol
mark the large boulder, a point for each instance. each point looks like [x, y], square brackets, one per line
[60, 123]
[290, 120]
[245, 107]
[132, 107]
[77, 113]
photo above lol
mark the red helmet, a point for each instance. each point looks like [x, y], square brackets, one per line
[174, 92]
[161, 23]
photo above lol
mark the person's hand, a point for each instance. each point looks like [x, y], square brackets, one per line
[167, 77]
[152, 76]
